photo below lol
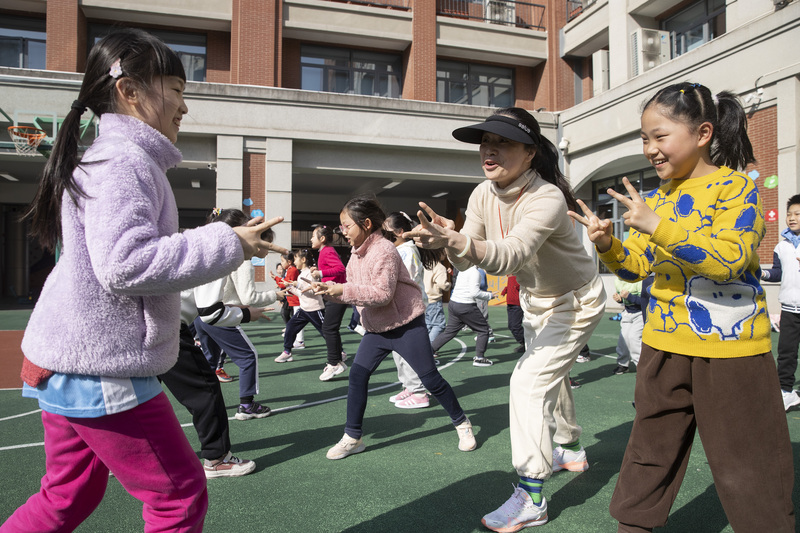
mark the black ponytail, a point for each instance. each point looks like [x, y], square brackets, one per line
[141, 58]
[400, 222]
[693, 104]
[545, 162]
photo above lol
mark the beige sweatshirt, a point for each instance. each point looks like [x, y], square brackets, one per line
[436, 282]
[541, 245]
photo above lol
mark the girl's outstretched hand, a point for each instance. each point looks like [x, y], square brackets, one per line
[431, 233]
[329, 289]
[639, 215]
[599, 230]
[250, 235]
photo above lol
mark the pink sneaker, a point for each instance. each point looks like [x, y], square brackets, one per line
[402, 395]
[414, 401]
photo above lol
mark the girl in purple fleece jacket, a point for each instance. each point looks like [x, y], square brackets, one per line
[107, 321]
[393, 314]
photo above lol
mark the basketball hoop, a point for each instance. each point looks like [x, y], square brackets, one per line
[26, 139]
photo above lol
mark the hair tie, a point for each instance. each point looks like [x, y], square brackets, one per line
[682, 91]
[78, 106]
[116, 70]
[715, 99]
[217, 211]
[407, 217]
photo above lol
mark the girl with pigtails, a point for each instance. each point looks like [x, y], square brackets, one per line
[706, 363]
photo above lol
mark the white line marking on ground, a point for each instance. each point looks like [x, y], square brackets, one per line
[279, 410]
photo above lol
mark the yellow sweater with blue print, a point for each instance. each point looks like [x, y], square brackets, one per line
[706, 300]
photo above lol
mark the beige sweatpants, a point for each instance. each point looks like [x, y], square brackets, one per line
[541, 406]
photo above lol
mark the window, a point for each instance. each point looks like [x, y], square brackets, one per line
[471, 84]
[340, 70]
[695, 25]
[22, 42]
[606, 207]
[190, 47]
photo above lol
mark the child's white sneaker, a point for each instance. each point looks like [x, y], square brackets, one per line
[790, 399]
[564, 459]
[332, 370]
[347, 446]
[518, 512]
[466, 437]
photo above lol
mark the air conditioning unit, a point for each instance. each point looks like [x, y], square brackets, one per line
[500, 12]
[649, 48]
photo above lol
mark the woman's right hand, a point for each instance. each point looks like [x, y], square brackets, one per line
[599, 230]
[250, 235]
[432, 234]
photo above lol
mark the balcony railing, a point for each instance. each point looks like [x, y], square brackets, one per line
[576, 7]
[506, 12]
[391, 4]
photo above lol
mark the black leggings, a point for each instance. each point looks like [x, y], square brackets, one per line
[334, 313]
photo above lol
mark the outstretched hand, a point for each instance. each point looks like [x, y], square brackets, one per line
[639, 216]
[250, 235]
[329, 289]
[431, 233]
[598, 230]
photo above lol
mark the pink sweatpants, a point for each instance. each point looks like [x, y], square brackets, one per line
[146, 450]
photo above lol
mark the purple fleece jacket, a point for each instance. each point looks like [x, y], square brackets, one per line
[379, 285]
[111, 306]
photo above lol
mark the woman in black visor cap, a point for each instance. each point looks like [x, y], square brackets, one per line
[517, 224]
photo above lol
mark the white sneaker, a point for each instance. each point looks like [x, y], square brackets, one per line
[564, 459]
[347, 446]
[228, 466]
[299, 345]
[284, 357]
[790, 399]
[466, 437]
[402, 395]
[332, 370]
[518, 512]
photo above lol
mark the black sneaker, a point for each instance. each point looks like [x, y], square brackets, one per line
[621, 370]
[574, 384]
[481, 361]
[254, 410]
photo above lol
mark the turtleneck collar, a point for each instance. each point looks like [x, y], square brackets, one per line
[157, 146]
[362, 250]
[517, 186]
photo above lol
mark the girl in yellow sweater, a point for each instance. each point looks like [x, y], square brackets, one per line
[706, 360]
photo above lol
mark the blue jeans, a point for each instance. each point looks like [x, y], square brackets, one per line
[434, 319]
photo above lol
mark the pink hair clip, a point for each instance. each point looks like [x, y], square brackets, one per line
[116, 70]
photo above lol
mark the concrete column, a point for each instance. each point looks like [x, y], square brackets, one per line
[278, 191]
[230, 153]
[788, 96]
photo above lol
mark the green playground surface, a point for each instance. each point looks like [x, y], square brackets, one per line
[411, 477]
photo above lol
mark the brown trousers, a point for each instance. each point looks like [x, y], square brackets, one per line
[736, 406]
